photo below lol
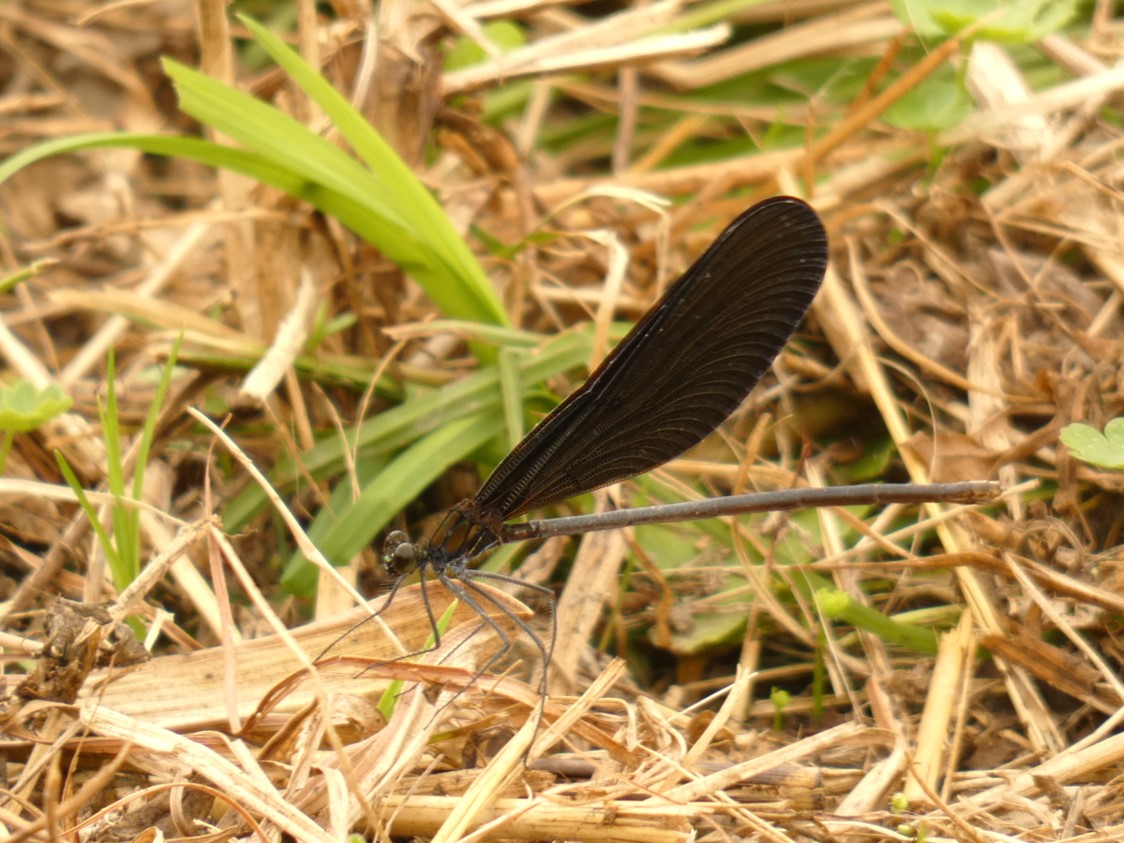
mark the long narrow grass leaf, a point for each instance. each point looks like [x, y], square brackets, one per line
[449, 273]
[88, 508]
[125, 563]
[400, 185]
[421, 415]
[341, 535]
[149, 431]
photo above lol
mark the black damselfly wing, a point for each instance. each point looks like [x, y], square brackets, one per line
[688, 364]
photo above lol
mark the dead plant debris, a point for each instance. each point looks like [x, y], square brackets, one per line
[973, 309]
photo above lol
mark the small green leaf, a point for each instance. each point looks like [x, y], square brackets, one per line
[1008, 21]
[9, 282]
[503, 34]
[24, 408]
[834, 603]
[1090, 445]
[838, 605]
[675, 547]
[389, 698]
[780, 699]
[939, 102]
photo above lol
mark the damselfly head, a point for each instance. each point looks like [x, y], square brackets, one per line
[400, 555]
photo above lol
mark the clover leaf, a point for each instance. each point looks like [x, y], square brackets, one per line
[24, 408]
[1090, 445]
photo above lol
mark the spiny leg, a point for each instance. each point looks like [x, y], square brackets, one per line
[468, 575]
[389, 599]
[461, 593]
[545, 653]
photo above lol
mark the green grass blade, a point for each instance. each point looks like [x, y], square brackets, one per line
[286, 155]
[838, 605]
[149, 432]
[341, 535]
[126, 522]
[354, 213]
[400, 188]
[91, 514]
[403, 424]
[512, 394]
[420, 239]
[389, 697]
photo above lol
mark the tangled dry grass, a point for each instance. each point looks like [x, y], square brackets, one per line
[973, 309]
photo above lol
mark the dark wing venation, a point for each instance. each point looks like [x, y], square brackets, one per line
[687, 364]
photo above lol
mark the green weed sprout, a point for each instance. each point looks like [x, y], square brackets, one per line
[1088, 444]
[780, 700]
[122, 548]
[24, 407]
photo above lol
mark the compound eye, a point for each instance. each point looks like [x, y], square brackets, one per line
[399, 554]
[394, 539]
